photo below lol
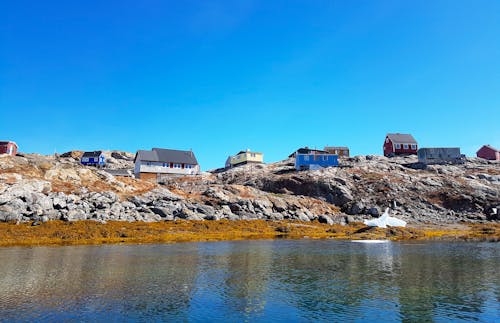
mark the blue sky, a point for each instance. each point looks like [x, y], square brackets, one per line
[221, 76]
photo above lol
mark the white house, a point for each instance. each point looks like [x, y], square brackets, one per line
[151, 164]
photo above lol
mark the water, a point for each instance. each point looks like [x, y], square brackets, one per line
[256, 281]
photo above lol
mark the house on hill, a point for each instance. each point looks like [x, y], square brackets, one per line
[399, 144]
[8, 147]
[488, 152]
[153, 164]
[339, 151]
[430, 156]
[306, 158]
[244, 157]
[93, 158]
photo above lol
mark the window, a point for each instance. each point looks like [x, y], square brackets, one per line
[306, 157]
[405, 146]
[398, 146]
[148, 163]
[413, 146]
[253, 155]
[165, 165]
[188, 166]
[325, 158]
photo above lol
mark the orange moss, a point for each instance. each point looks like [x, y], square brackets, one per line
[90, 232]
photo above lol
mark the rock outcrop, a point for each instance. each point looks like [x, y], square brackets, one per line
[42, 188]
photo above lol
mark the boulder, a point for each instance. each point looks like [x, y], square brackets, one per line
[373, 211]
[75, 215]
[323, 218]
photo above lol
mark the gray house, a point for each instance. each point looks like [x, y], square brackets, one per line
[152, 164]
[440, 156]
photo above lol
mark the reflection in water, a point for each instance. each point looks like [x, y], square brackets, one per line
[252, 281]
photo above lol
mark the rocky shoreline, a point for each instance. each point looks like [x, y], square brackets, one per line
[35, 188]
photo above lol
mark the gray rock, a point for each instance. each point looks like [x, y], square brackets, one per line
[164, 212]
[9, 213]
[373, 211]
[151, 217]
[212, 217]
[59, 203]
[275, 216]
[75, 215]
[325, 219]
[194, 217]
[349, 219]
[356, 208]
[235, 208]
[204, 209]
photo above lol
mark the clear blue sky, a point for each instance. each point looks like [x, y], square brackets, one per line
[221, 76]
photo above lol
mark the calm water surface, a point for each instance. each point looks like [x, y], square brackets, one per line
[257, 281]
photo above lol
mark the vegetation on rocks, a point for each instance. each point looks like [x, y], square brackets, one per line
[92, 232]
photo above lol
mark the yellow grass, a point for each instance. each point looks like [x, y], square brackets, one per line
[90, 232]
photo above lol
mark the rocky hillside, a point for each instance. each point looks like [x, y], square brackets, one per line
[40, 188]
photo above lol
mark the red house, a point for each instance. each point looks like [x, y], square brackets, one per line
[399, 144]
[8, 147]
[488, 152]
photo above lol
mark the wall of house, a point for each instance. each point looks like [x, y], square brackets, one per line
[438, 155]
[248, 157]
[388, 147]
[164, 168]
[392, 149]
[488, 153]
[338, 151]
[323, 160]
[93, 161]
[8, 148]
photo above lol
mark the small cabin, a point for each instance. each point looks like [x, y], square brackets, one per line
[93, 158]
[488, 152]
[429, 156]
[399, 144]
[8, 147]
[244, 157]
[157, 164]
[337, 150]
[306, 158]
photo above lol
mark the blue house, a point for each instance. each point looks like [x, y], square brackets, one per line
[93, 158]
[306, 158]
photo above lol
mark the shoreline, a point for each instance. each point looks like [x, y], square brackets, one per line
[61, 233]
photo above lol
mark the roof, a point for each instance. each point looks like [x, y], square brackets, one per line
[401, 138]
[246, 151]
[91, 154]
[489, 147]
[5, 142]
[166, 156]
[307, 150]
[336, 147]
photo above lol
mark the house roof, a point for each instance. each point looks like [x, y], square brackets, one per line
[246, 151]
[92, 154]
[336, 147]
[166, 156]
[307, 150]
[5, 142]
[401, 138]
[489, 147]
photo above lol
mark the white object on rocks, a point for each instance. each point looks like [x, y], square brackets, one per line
[385, 220]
